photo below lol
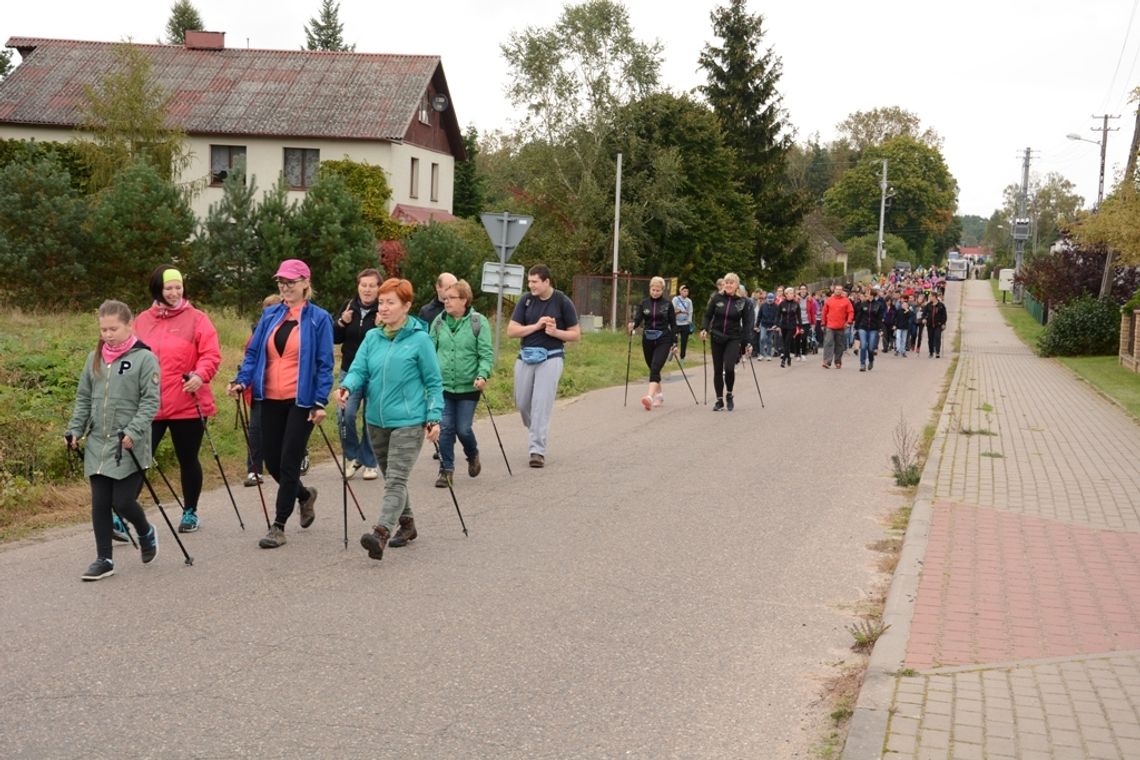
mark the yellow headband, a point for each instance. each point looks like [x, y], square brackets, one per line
[171, 274]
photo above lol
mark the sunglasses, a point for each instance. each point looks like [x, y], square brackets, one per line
[288, 283]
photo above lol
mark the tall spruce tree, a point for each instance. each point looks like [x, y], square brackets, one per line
[5, 63]
[741, 89]
[183, 17]
[325, 32]
[470, 191]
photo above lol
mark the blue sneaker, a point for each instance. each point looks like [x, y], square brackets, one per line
[189, 522]
[148, 545]
[119, 530]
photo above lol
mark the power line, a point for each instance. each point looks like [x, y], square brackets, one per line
[1120, 58]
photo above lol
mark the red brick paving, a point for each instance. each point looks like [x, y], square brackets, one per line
[999, 586]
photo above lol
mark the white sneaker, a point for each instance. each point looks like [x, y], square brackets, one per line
[351, 468]
[371, 473]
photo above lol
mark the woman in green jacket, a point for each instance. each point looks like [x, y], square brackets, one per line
[396, 365]
[462, 338]
[116, 402]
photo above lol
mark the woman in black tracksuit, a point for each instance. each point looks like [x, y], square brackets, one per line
[789, 322]
[658, 321]
[729, 318]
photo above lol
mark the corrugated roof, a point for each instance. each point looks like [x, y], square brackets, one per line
[294, 93]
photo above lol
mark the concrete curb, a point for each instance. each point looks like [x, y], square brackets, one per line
[867, 733]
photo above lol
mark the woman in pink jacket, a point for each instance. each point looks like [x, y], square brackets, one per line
[186, 344]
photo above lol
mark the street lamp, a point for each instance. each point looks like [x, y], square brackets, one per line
[1103, 143]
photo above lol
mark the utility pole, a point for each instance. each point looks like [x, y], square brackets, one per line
[882, 217]
[1021, 223]
[1105, 280]
[617, 238]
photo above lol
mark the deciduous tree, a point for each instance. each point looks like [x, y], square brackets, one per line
[742, 90]
[866, 129]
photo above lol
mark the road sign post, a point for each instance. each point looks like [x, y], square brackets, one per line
[506, 230]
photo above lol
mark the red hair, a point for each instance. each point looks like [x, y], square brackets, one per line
[402, 289]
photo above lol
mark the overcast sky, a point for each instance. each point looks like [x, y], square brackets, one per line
[992, 78]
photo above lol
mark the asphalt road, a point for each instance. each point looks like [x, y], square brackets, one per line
[673, 584]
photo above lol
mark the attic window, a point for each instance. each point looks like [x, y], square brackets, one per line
[425, 109]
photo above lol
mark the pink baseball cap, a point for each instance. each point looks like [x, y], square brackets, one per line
[293, 269]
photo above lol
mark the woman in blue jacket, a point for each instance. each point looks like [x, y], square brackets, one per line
[397, 366]
[289, 365]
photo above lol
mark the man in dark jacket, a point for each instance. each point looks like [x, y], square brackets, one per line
[434, 307]
[936, 317]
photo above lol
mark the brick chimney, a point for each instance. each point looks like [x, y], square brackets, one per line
[197, 40]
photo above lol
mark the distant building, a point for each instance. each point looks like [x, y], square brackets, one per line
[276, 111]
[823, 246]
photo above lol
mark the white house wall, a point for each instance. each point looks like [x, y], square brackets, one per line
[265, 160]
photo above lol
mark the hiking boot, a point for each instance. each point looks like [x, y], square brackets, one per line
[148, 545]
[119, 530]
[474, 466]
[728, 402]
[719, 405]
[305, 463]
[100, 568]
[351, 468]
[374, 542]
[371, 473]
[405, 533]
[537, 460]
[189, 522]
[444, 479]
[273, 539]
[252, 479]
[308, 513]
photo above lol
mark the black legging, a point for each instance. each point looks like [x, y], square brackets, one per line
[123, 496]
[285, 430]
[684, 339]
[186, 435]
[789, 343]
[656, 354]
[725, 356]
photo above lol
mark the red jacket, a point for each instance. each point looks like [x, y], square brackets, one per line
[838, 312]
[184, 340]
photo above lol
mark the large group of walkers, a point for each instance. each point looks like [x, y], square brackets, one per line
[414, 378]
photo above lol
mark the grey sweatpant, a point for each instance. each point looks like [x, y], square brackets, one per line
[396, 451]
[536, 387]
[834, 344]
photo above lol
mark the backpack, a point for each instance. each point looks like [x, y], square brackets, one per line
[476, 325]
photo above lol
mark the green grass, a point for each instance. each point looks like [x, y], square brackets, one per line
[1104, 373]
[40, 487]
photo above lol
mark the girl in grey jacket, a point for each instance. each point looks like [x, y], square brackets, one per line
[117, 400]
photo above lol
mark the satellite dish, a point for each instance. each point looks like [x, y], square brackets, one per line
[439, 102]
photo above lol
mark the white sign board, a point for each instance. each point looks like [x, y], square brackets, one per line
[1005, 280]
[512, 276]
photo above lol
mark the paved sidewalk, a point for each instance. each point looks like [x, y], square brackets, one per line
[1015, 611]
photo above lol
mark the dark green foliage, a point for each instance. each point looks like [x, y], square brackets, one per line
[42, 240]
[1132, 304]
[333, 238]
[470, 190]
[741, 89]
[861, 251]
[65, 155]
[1085, 326]
[325, 32]
[5, 62]
[227, 269]
[136, 223]
[456, 247]
[183, 17]
[369, 185]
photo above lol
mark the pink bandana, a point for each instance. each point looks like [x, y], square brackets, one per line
[111, 353]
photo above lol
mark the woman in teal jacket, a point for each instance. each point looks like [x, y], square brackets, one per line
[396, 365]
[117, 399]
[462, 339]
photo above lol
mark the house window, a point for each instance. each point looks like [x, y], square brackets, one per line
[301, 167]
[223, 160]
[435, 183]
[414, 190]
[425, 109]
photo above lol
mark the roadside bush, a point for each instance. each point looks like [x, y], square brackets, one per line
[1133, 303]
[1085, 326]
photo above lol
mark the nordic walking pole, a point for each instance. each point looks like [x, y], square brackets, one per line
[753, 366]
[628, 359]
[682, 366]
[217, 459]
[454, 500]
[71, 471]
[169, 485]
[157, 502]
[705, 361]
[336, 461]
[241, 412]
[344, 477]
[495, 427]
